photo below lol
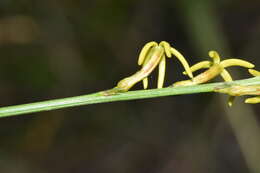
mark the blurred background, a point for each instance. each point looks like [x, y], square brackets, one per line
[54, 49]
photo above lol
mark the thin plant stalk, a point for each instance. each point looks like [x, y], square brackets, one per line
[100, 97]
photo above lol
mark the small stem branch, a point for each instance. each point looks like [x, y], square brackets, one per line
[130, 95]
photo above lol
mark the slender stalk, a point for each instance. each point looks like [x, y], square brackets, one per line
[99, 97]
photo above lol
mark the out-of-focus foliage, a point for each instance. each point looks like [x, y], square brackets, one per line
[54, 49]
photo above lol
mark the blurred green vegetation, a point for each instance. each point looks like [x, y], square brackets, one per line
[54, 49]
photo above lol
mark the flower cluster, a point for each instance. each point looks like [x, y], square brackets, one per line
[154, 54]
[215, 68]
[151, 56]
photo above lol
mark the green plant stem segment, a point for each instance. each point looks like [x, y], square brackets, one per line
[99, 97]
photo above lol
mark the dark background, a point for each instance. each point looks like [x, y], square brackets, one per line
[60, 48]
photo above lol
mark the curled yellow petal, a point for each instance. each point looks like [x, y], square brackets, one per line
[236, 62]
[145, 50]
[253, 100]
[162, 67]
[183, 61]
[167, 48]
[215, 56]
[198, 66]
[226, 76]
[254, 72]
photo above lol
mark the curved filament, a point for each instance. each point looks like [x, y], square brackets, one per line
[183, 61]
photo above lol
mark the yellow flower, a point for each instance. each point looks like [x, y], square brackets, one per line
[215, 68]
[151, 56]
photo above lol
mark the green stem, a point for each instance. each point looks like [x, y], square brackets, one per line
[99, 97]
